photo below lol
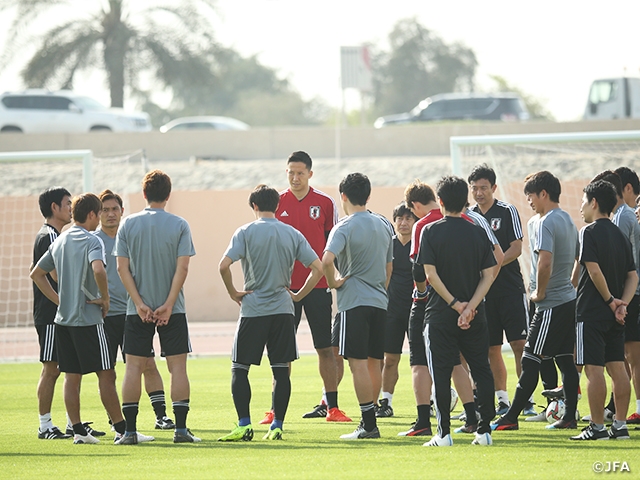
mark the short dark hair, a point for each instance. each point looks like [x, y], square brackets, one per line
[84, 204]
[109, 195]
[49, 196]
[156, 186]
[605, 194]
[482, 171]
[629, 177]
[402, 210]
[543, 180]
[302, 157]
[418, 191]
[613, 178]
[454, 192]
[357, 188]
[265, 198]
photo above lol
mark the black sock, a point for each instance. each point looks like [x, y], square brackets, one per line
[79, 429]
[332, 400]
[470, 411]
[424, 414]
[570, 381]
[281, 390]
[526, 385]
[241, 389]
[130, 412]
[158, 403]
[120, 427]
[368, 416]
[548, 374]
[180, 410]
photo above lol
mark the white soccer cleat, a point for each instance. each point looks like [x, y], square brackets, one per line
[482, 439]
[540, 417]
[144, 438]
[84, 439]
[437, 441]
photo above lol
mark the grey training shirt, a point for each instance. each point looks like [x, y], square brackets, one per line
[625, 219]
[117, 292]
[268, 250]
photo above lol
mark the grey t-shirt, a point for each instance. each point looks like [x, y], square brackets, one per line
[71, 256]
[268, 250]
[363, 246]
[625, 219]
[117, 292]
[153, 240]
[532, 225]
[556, 233]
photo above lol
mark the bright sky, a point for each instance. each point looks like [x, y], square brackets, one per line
[550, 49]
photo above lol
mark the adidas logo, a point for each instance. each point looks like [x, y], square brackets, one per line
[284, 214]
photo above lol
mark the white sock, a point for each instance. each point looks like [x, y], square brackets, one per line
[69, 426]
[45, 422]
[324, 397]
[388, 396]
[618, 424]
[638, 407]
[503, 396]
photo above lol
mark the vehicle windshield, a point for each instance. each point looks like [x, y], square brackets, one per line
[88, 103]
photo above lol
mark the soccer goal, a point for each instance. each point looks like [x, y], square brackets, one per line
[24, 175]
[574, 158]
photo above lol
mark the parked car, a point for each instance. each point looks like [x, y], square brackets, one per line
[462, 106]
[42, 111]
[203, 123]
[611, 98]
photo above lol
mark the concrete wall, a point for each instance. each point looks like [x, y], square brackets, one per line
[273, 143]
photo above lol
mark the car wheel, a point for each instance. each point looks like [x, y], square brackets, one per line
[10, 129]
[100, 128]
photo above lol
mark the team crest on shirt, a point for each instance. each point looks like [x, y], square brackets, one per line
[495, 224]
[314, 212]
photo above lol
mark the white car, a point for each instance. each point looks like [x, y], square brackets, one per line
[203, 123]
[41, 111]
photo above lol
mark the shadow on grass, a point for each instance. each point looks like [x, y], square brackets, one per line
[49, 454]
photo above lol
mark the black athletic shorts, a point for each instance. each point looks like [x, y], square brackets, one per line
[335, 331]
[47, 341]
[631, 325]
[396, 327]
[82, 349]
[507, 314]
[174, 336]
[114, 328]
[276, 332]
[417, 352]
[362, 333]
[599, 342]
[552, 331]
[317, 309]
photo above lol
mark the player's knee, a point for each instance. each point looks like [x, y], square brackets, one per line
[50, 370]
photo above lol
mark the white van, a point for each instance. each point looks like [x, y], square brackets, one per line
[611, 98]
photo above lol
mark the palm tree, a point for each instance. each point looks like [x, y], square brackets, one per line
[172, 42]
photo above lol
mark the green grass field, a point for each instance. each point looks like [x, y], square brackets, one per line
[311, 448]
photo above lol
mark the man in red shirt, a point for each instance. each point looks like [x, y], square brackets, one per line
[313, 213]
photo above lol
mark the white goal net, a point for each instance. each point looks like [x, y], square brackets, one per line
[24, 175]
[575, 158]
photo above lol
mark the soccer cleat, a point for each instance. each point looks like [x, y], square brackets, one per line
[238, 434]
[529, 410]
[360, 433]
[590, 433]
[437, 441]
[539, 417]
[336, 415]
[502, 408]
[144, 438]
[384, 410]
[273, 434]
[554, 393]
[90, 431]
[633, 418]
[462, 416]
[608, 416]
[268, 418]
[319, 411]
[84, 439]
[417, 432]
[563, 424]
[618, 433]
[52, 433]
[466, 429]
[503, 423]
[130, 439]
[482, 439]
[164, 423]
[185, 437]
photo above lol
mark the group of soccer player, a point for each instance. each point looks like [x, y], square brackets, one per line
[444, 274]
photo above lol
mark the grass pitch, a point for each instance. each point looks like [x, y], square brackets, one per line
[310, 449]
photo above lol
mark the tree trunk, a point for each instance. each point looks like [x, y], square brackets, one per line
[116, 41]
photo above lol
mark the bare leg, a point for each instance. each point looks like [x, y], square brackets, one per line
[339, 365]
[152, 378]
[360, 371]
[632, 355]
[421, 384]
[180, 388]
[390, 372]
[517, 346]
[375, 372]
[328, 368]
[109, 395]
[596, 391]
[621, 388]
[498, 367]
[46, 386]
[463, 385]
[131, 384]
[72, 396]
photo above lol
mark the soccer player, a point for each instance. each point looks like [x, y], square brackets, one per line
[78, 258]
[313, 213]
[552, 328]
[459, 264]
[268, 250]
[110, 217]
[362, 247]
[506, 302]
[608, 281]
[400, 301]
[153, 249]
